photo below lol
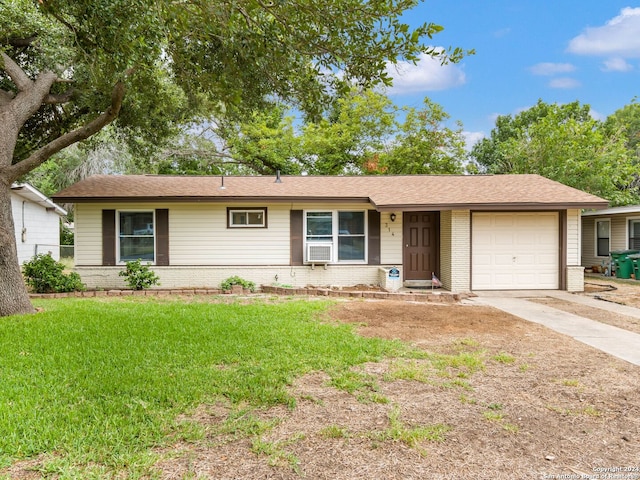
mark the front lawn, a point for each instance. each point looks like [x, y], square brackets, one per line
[102, 382]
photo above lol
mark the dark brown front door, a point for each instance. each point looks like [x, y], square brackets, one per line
[420, 245]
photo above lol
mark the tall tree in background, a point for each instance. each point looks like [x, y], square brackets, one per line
[563, 143]
[68, 68]
[627, 119]
[362, 133]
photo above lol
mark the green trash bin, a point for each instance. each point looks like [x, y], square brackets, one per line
[635, 262]
[624, 265]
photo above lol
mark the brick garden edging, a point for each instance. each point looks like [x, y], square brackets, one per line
[122, 293]
[437, 297]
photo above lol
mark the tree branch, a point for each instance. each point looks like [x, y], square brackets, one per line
[6, 97]
[59, 98]
[21, 42]
[17, 75]
[82, 133]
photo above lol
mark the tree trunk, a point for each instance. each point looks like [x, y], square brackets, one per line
[14, 298]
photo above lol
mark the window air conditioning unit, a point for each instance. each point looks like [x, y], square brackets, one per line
[319, 252]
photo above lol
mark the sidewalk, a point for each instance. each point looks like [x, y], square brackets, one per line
[612, 340]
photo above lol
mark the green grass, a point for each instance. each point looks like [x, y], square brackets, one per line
[411, 436]
[101, 382]
[504, 357]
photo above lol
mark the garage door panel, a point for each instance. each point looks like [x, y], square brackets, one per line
[503, 260]
[520, 249]
[525, 260]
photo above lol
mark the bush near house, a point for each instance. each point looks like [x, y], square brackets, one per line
[45, 275]
[138, 276]
[235, 280]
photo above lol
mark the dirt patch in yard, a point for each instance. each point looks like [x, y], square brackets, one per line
[497, 397]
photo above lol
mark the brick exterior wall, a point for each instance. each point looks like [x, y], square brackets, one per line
[175, 277]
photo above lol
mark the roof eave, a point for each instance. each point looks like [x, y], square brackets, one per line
[216, 199]
[529, 206]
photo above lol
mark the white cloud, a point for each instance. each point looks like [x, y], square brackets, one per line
[547, 68]
[564, 82]
[597, 115]
[620, 36]
[616, 64]
[427, 75]
[503, 32]
[471, 138]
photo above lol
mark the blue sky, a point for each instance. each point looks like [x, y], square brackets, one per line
[555, 50]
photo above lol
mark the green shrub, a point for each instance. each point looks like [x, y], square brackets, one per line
[44, 275]
[139, 276]
[231, 281]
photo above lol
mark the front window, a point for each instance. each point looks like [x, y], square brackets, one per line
[247, 218]
[634, 234]
[343, 232]
[136, 236]
[320, 226]
[351, 236]
[602, 238]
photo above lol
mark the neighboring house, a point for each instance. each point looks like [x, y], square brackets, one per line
[609, 230]
[37, 222]
[479, 232]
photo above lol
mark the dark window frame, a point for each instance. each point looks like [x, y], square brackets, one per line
[599, 239]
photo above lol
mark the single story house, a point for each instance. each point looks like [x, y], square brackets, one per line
[484, 232]
[37, 222]
[609, 230]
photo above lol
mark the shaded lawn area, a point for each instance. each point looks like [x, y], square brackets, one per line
[95, 381]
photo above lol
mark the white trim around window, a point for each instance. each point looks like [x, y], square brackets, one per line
[344, 232]
[251, 217]
[135, 236]
[602, 237]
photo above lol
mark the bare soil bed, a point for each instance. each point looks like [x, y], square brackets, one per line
[538, 405]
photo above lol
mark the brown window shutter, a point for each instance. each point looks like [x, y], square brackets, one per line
[162, 236]
[374, 238]
[296, 237]
[108, 237]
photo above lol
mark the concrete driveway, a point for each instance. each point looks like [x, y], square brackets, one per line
[612, 340]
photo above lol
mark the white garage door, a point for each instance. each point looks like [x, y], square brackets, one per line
[515, 251]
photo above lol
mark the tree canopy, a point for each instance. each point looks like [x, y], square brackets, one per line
[563, 143]
[362, 133]
[68, 68]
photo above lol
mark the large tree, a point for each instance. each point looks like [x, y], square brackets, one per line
[563, 143]
[68, 68]
[363, 132]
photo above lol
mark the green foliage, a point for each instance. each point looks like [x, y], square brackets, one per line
[362, 133]
[44, 275]
[105, 383]
[139, 276]
[235, 280]
[504, 357]
[66, 235]
[187, 61]
[563, 143]
[411, 436]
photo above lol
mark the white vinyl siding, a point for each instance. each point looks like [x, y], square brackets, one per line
[574, 241]
[198, 233]
[42, 229]
[391, 239]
